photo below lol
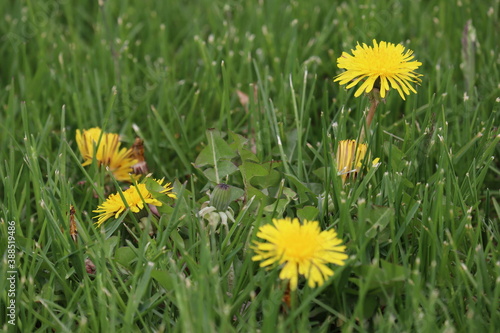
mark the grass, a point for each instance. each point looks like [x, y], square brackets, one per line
[422, 230]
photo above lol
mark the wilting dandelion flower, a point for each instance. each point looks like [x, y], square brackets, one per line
[135, 197]
[380, 65]
[350, 156]
[106, 149]
[141, 167]
[301, 248]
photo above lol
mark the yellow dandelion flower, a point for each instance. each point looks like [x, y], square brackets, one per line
[106, 149]
[379, 65]
[135, 198]
[350, 156]
[302, 249]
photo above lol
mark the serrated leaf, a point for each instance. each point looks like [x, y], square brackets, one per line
[396, 156]
[380, 217]
[251, 191]
[309, 213]
[278, 207]
[272, 179]
[370, 305]
[153, 185]
[239, 141]
[165, 209]
[380, 280]
[247, 155]
[272, 164]
[302, 190]
[322, 172]
[394, 272]
[215, 150]
[289, 193]
[110, 244]
[250, 169]
[124, 256]
[164, 278]
[224, 168]
[177, 240]
[236, 193]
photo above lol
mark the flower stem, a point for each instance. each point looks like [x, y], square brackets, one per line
[371, 112]
[374, 101]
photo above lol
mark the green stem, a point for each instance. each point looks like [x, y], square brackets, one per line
[374, 101]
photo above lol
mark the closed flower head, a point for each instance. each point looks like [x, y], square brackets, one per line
[350, 156]
[302, 249]
[383, 66]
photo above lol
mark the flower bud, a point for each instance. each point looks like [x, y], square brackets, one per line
[221, 197]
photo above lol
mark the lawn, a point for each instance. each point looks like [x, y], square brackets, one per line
[234, 109]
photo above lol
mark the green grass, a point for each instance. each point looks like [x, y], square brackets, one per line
[422, 230]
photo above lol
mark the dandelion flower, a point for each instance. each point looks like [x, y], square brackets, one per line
[379, 66]
[301, 248]
[350, 156]
[106, 149]
[135, 198]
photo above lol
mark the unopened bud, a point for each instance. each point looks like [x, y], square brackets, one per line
[221, 197]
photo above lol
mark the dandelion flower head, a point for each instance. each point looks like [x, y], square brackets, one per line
[106, 149]
[384, 66]
[302, 249]
[135, 197]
